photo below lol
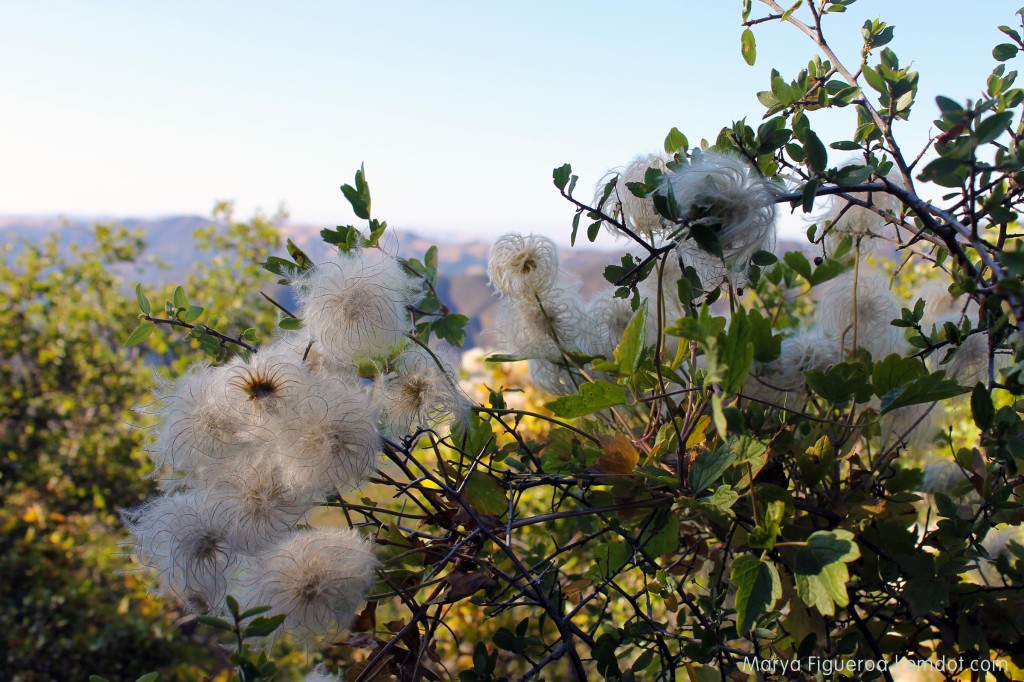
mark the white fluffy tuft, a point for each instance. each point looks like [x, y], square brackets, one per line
[732, 198]
[329, 438]
[636, 213]
[523, 266]
[355, 307]
[317, 578]
[857, 312]
[422, 390]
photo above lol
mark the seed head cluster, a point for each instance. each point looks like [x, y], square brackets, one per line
[243, 452]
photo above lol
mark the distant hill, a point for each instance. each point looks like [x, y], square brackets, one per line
[462, 266]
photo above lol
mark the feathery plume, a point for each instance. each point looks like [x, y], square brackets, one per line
[320, 674]
[328, 438]
[726, 194]
[636, 213]
[942, 476]
[555, 377]
[316, 578]
[856, 312]
[863, 225]
[196, 426]
[422, 390]
[260, 505]
[185, 538]
[262, 386]
[603, 325]
[539, 328]
[783, 380]
[355, 307]
[523, 266]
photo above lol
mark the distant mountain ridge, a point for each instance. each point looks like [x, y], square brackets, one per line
[462, 266]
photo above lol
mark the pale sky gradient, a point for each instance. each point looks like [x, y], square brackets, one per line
[459, 109]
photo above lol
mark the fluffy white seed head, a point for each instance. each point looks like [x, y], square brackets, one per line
[197, 427]
[523, 266]
[914, 427]
[636, 213]
[320, 674]
[555, 377]
[970, 361]
[423, 390]
[260, 504]
[355, 307]
[185, 539]
[317, 578]
[942, 476]
[864, 226]
[328, 439]
[782, 381]
[730, 197]
[262, 387]
[603, 325]
[537, 328]
[856, 312]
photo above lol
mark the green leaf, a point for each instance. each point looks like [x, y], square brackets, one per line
[485, 494]
[817, 155]
[846, 95]
[288, 270]
[630, 349]
[215, 622]
[926, 389]
[97, 678]
[593, 396]
[840, 383]
[663, 537]
[748, 47]
[820, 569]
[430, 264]
[140, 334]
[290, 323]
[981, 406]
[141, 298]
[255, 611]
[1004, 51]
[764, 258]
[824, 548]
[504, 357]
[709, 466]
[993, 126]
[736, 353]
[561, 175]
[799, 263]
[451, 328]
[767, 346]
[359, 196]
[894, 372]
[675, 141]
[345, 237]
[875, 80]
[192, 314]
[232, 605]
[764, 535]
[758, 589]
[148, 677]
[299, 256]
[180, 299]
[263, 626]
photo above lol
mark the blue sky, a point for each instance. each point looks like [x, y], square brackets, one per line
[459, 109]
